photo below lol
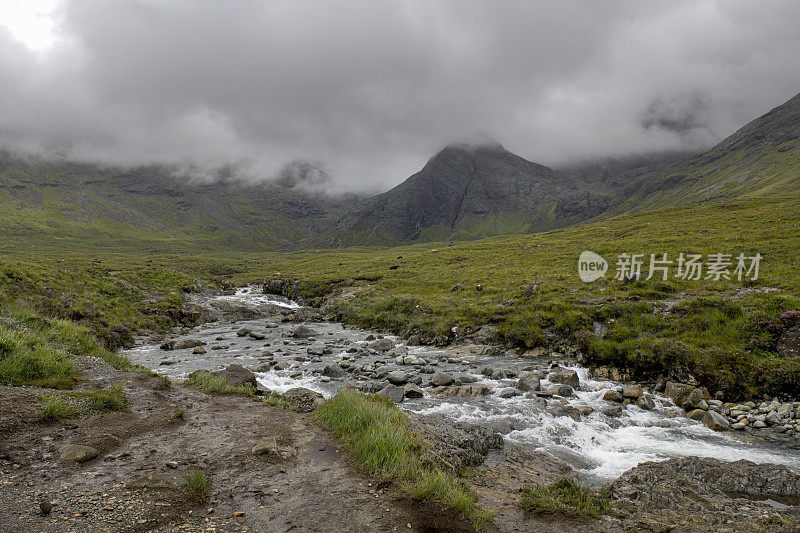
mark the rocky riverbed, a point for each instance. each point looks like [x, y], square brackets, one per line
[541, 400]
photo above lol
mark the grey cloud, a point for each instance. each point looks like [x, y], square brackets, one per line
[367, 90]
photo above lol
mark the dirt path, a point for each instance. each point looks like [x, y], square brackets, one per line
[317, 490]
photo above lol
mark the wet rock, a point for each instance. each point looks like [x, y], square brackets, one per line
[382, 345]
[393, 392]
[696, 414]
[412, 391]
[528, 382]
[181, 344]
[397, 377]
[455, 446]
[303, 332]
[465, 391]
[698, 395]
[237, 375]
[646, 403]
[257, 335]
[560, 389]
[632, 392]
[243, 332]
[613, 396]
[564, 376]
[199, 350]
[281, 365]
[304, 400]
[398, 352]
[465, 378]
[715, 421]
[78, 453]
[333, 371]
[316, 350]
[701, 486]
[613, 410]
[677, 392]
[441, 379]
[508, 392]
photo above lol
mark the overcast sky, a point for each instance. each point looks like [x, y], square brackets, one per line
[370, 89]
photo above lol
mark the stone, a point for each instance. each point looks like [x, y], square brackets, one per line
[773, 419]
[333, 371]
[303, 332]
[646, 403]
[696, 414]
[242, 332]
[382, 345]
[698, 395]
[78, 453]
[564, 376]
[269, 447]
[316, 350]
[393, 392]
[412, 391]
[528, 382]
[559, 389]
[45, 507]
[441, 379]
[613, 396]
[199, 350]
[508, 392]
[716, 421]
[237, 375]
[182, 344]
[303, 399]
[397, 377]
[632, 391]
[677, 392]
[257, 335]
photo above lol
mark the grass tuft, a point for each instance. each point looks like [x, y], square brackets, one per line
[377, 436]
[55, 408]
[276, 400]
[209, 383]
[197, 486]
[564, 497]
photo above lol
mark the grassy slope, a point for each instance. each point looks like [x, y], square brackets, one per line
[531, 289]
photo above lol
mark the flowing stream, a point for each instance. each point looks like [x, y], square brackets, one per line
[600, 446]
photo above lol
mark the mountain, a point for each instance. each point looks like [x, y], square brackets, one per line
[463, 192]
[760, 159]
[467, 192]
[150, 207]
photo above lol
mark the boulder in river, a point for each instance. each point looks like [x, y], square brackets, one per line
[633, 391]
[613, 396]
[441, 379]
[397, 377]
[181, 344]
[677, 392]
[716, 421]
[382, 345]
[528, 382]
[412, 391]
[303, 332]
[333, 371]
[564, 376]
[393, 392]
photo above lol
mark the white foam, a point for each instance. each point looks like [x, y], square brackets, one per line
[253, 295]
